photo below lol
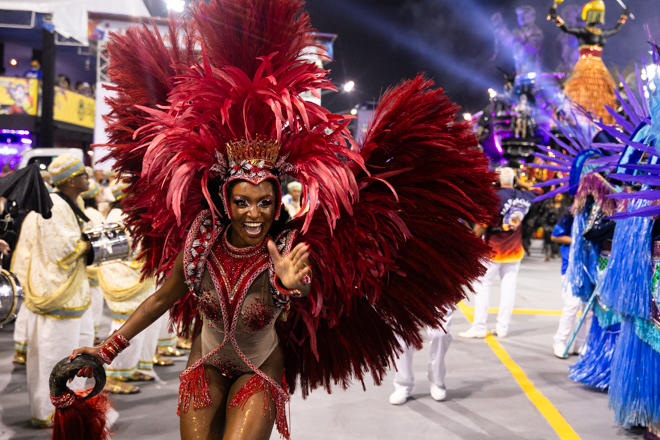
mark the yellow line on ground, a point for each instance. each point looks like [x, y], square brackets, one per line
[495, 310]
[545, 407]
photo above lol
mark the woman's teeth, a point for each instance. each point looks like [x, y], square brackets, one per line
[253, 229]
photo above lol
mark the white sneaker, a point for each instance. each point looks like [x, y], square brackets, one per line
[439, 394]
[559, 349]
[399, 397]
[498, 333]
[473, 333]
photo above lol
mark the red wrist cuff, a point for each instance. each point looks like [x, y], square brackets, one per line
[284, 291]
[111, 348]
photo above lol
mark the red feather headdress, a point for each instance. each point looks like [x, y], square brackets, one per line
[236, 82]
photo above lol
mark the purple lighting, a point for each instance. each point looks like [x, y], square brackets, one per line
[19, 132]
[13, 143]
[498, 144]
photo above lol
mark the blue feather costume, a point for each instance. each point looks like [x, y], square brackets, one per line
[634, 392]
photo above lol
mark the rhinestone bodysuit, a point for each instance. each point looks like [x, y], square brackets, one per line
[255, 313]
[239, 304]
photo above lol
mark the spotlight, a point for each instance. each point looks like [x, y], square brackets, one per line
[467, 116]
[492, 93]
[175, 5]
[354, 111]
[349, 86]
[90, 152]
[13, 62]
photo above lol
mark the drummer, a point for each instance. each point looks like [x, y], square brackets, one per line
[54, 254]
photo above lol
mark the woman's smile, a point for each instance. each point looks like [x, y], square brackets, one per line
[253, 229]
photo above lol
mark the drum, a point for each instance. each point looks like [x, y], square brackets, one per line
[110, 242]
[11, 297]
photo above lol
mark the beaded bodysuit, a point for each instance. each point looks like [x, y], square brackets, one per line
[254, 331]
[239, 305]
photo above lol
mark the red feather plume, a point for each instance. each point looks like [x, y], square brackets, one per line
[246, 81]
[142, 67]
[405, 256]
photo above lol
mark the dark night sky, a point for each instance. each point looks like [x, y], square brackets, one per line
[381, 42]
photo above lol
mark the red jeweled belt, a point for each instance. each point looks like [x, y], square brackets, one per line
[591, 51]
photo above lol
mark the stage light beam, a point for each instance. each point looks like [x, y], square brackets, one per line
[175, 5]
[349, 86]
[440, 58]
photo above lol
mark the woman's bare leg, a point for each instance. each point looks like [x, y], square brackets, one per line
[254, 421]
[206, 423]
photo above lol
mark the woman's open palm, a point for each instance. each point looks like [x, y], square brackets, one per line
[291, 269]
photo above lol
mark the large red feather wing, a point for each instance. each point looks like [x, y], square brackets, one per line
[232, 71]
[143, 65]
[405, 256]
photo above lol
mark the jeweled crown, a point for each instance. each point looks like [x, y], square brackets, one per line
[254, 151]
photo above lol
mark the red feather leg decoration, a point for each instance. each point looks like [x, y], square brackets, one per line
[82, 420]
[405, 256]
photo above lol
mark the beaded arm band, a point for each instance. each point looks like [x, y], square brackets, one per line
[112, 347]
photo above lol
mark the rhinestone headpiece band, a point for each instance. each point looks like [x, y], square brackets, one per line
[254, 151]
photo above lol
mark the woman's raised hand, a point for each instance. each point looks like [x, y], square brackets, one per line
[291, 269]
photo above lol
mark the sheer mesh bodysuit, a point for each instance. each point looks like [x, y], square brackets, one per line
[239, 307]
[255, 329]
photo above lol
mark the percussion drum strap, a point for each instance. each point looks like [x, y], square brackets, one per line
[76, 209]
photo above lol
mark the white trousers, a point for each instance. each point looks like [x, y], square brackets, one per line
[508, 273]
[572, 305]
[126, 362]
[97, 307]
[49, 341]
[166, 338]
[21, 330]
[404, 378]
[151, 337]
